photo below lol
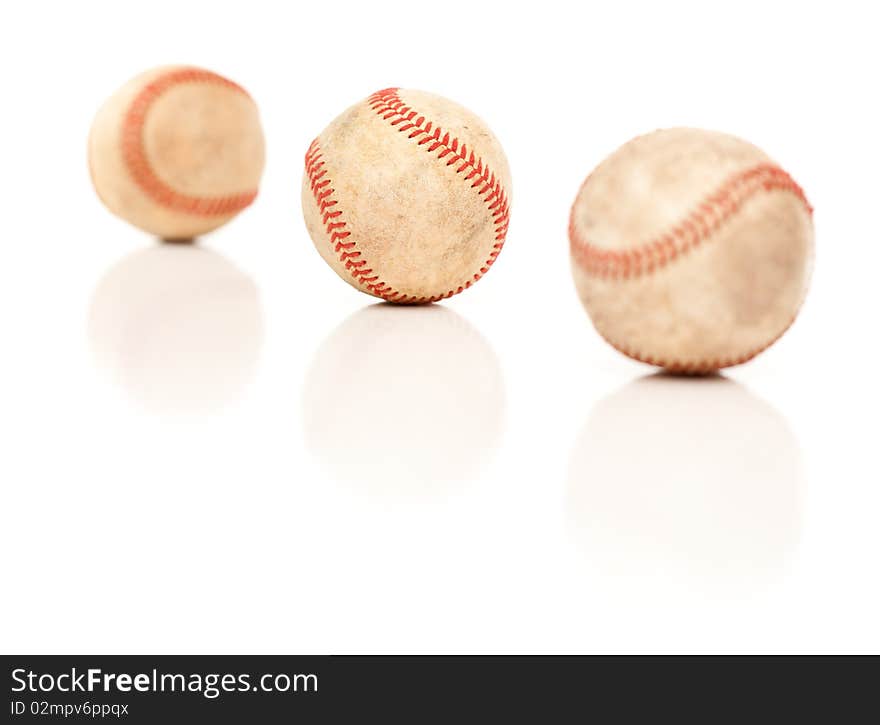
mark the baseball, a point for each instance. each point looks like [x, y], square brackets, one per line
[406, 196]
[177, 151]
[691, 250]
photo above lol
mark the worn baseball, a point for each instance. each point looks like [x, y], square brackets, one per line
[406, 196]
[177, 151]
[691, 250]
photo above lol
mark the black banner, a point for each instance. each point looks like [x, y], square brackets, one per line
[411, 689]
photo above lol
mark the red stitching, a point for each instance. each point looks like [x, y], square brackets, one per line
[696, 228]
[390, 107]
[135, 156]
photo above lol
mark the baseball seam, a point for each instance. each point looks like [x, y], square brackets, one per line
[135, 155]
[388, 105]
[696, 228]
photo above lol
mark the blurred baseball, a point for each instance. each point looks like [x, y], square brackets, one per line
[406, 196]
[177, 151]
[691, 249]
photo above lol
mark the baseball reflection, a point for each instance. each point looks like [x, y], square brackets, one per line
[178, 327]
[693, 484]
[404, 400]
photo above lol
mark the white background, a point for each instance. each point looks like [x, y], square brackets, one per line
[228, 449]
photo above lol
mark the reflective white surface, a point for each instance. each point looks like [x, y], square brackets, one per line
[178, 327]
[225, 448]
[687, 485]
[404, 401]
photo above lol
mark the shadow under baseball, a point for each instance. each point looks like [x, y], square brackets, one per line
[178, 327]
[687, 486]
[404, 401]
